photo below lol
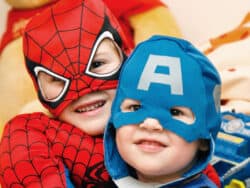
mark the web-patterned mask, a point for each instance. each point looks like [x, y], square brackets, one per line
[62, 42]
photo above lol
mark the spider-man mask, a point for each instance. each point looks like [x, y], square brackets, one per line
[62, 42]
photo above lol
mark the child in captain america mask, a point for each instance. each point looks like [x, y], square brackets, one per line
[164, 118]
[73, 52]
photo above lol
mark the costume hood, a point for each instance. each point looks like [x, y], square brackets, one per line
[164, 72]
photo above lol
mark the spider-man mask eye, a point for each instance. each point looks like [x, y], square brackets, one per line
[102, 63]
[52, 86]
[80, 45]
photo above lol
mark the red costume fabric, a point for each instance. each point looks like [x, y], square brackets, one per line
[35, 149]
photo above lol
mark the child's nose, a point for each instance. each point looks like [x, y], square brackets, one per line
[151, 124]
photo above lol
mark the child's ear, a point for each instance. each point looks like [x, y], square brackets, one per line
[204, 145]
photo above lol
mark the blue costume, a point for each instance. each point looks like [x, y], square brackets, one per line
[161, 73]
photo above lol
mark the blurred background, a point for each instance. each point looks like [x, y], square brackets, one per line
[198, 19]
[3, 13]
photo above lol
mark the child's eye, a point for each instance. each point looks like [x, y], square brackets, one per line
[133, 108]
[55, 79]
[183, 114]
[130, 105]
[50, 85]
[176, 112]
[96, 64]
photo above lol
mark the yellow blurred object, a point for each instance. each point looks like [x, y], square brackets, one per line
[158, 20]
[27, 4]
[16, 86]
[234, 183]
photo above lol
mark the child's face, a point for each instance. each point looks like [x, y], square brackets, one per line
[90, 112]
[156, 154]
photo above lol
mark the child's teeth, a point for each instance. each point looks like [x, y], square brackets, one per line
[89, 108]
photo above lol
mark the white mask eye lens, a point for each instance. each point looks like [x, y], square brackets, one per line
[52, 86]
[107, 58]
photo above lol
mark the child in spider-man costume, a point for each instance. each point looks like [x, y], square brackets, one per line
[73, 52]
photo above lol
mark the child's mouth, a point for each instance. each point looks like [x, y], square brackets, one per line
[90, 107]
[151, 145]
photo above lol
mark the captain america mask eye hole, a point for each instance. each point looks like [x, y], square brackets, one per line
[183, 114]
[180, 113]
[52, 86]
[130, 105]
[107, 58]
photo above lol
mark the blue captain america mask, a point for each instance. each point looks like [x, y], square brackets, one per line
[165, 72]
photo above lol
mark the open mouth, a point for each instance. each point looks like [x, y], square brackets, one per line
[90, 107]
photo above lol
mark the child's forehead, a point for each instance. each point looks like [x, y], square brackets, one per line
[167, 68]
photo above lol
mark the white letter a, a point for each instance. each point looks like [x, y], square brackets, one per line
[173, 79]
